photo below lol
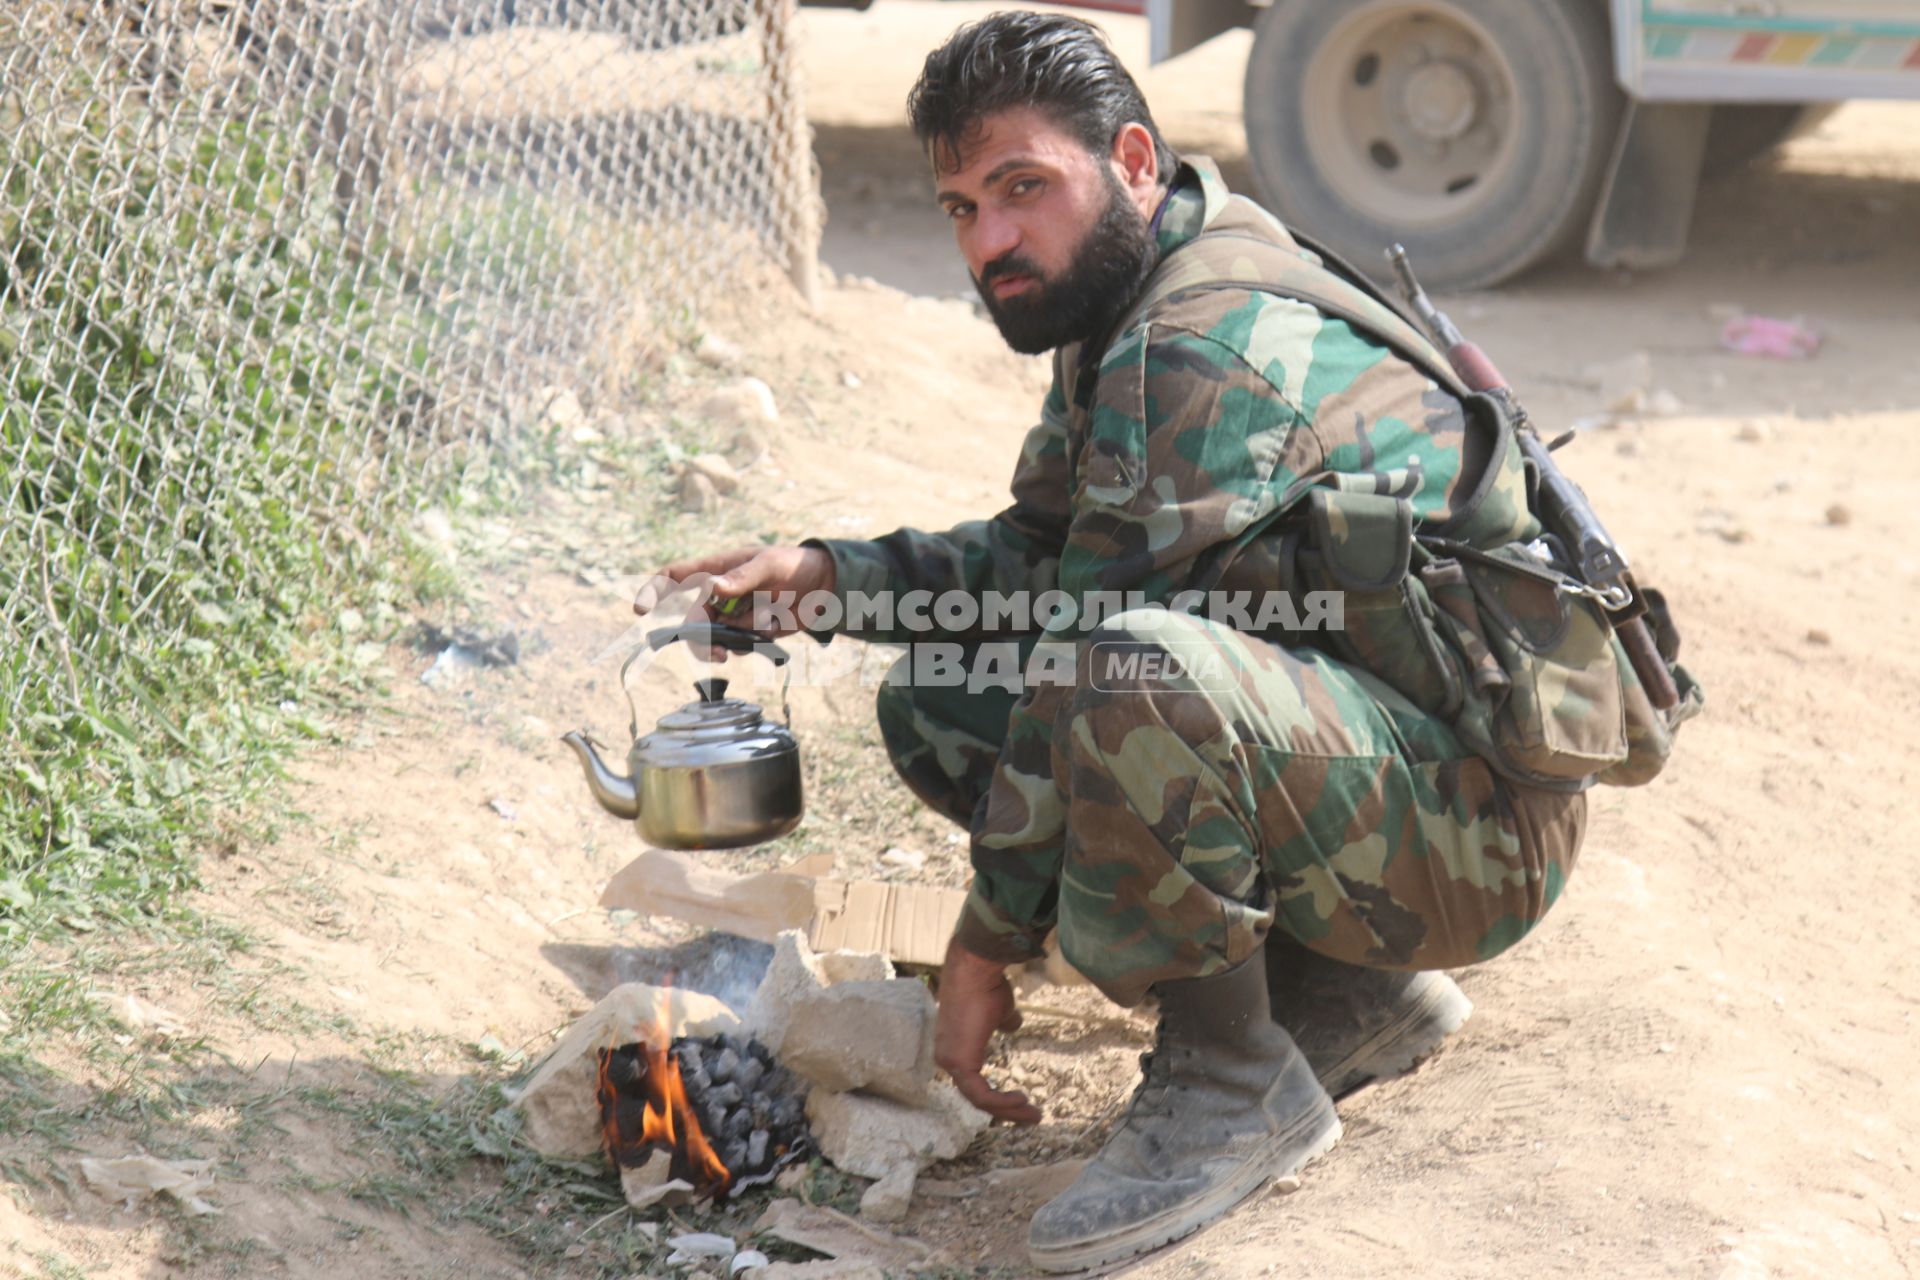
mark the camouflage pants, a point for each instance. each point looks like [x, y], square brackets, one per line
[1230, 786]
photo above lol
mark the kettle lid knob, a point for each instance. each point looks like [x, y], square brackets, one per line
[712, 689]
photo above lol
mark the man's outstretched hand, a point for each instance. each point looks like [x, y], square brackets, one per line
[976, 1000]
[742, 574]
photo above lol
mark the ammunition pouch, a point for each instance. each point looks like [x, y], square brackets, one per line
[1498, 643]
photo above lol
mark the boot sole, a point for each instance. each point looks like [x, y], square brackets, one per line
[1434, 1008]
[1287, 1156]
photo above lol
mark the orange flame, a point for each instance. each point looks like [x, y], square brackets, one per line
[665, 1120]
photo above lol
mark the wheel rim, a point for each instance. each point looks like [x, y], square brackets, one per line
[1408, 111]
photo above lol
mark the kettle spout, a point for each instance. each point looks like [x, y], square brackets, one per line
[614, 791]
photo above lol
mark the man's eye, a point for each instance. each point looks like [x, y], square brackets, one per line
[958, 211]
[1024, 187]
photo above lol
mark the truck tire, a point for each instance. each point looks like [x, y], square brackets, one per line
[1741, 132]
[1474, 132]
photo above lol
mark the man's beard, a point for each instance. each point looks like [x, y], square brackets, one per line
[1107, 270]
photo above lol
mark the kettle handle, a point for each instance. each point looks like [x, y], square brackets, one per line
[732, 639]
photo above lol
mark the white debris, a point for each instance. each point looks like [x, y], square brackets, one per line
[698, 1246]
[134, 1178]
[906, 859]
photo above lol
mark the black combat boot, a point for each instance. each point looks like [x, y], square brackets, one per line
[1358, 1025]
[1225, 1103]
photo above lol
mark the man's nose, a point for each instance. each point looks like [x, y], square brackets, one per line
[994, 236]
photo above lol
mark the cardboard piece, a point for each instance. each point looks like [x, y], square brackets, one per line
[907, 923]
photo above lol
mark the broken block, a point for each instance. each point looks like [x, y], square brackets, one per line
[797, 972]
[869, 1136]
[889, 1199]
[561, 1114]
[876, 1036]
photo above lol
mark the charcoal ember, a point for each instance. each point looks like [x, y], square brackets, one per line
[749, 1106]
[721, 1068]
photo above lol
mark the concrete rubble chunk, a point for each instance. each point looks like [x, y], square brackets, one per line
[868, 1136]
[876, 1036]
[698, 496]
[744, 402]
[797, 972]
[719, 352]
[889, 1199]
[717, 470]
[561, 1116]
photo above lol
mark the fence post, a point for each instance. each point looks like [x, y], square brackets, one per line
[792, 139]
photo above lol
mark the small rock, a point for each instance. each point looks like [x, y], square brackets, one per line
[1816, 636]
[1839, 514]
[697, 493]
[1622, 383]
[1753, 432]
[906, 859]
[792, 1178]
[748, 1260]
[748, 446]
[719, 352]
[850, 380]
[889, 1199]
[716, 469]
[1663, 403]
[747, 402]
[1286, 1186]
[435, 528]
[587, 433]
[351, 622]
[563, 411]
[503, 807]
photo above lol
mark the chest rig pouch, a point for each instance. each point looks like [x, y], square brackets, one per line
[1469, 619]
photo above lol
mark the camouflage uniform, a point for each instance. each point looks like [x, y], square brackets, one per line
[1165, 818]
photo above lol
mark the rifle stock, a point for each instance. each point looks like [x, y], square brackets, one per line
[1598, 562]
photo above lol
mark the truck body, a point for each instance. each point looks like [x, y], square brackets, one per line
[1421, 119]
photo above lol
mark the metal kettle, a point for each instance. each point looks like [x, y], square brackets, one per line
[715, 774]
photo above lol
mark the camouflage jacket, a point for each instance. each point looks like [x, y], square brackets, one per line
[1177, 442]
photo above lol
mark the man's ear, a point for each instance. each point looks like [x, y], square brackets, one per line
[1137, 164]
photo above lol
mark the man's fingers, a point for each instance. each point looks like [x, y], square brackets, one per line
[1007, 1105]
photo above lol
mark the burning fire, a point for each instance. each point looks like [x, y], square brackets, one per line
[644, 1108]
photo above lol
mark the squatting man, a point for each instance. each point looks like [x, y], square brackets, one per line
[1284, 858]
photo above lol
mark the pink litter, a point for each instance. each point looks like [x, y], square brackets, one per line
[1774, 339]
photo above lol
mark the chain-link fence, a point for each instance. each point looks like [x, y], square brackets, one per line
[272, 269]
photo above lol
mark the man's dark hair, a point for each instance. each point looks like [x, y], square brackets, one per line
[1057, 65]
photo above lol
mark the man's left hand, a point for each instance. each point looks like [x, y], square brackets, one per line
[975, 1001]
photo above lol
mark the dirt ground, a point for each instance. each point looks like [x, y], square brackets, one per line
[1702, 1065]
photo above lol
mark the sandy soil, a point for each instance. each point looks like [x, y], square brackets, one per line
[1700, 1066]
